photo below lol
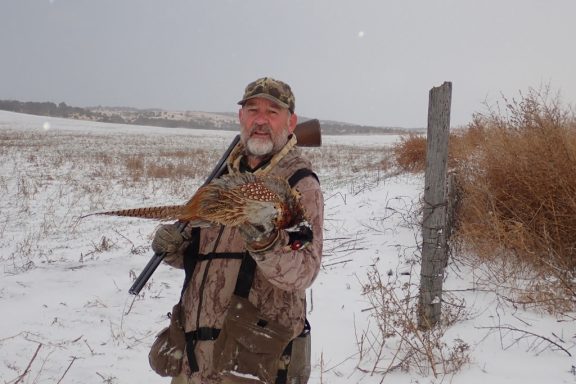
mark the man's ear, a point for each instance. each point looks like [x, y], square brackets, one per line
[292, 122]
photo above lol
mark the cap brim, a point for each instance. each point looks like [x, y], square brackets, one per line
[267, 97]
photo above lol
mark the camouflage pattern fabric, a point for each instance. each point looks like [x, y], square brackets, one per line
[271, 89]
[281, 278]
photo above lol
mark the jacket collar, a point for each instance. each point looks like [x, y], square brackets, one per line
[238, 154]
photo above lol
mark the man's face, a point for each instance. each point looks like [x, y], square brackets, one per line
[265, 126]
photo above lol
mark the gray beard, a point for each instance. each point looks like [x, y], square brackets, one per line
[257, 147]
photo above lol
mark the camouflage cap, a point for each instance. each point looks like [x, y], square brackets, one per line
[271, 89]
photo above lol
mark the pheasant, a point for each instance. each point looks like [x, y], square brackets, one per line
[232, 200]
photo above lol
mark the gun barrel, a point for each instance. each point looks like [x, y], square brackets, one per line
[143, 277]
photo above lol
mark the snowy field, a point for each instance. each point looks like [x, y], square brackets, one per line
[67, 316]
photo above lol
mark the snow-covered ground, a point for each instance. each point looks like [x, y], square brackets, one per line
[67, 317]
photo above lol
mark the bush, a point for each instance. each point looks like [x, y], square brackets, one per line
[410, 153]
[519, 187]
[515, 169]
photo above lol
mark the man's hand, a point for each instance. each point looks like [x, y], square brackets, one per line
[258, 237]
[169, 238]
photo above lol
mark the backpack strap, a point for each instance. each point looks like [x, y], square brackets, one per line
[245, 276]
[215, 255]
[300, 174]
[191, 258]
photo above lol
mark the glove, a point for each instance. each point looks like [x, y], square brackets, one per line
[169, 238]
[258, 237]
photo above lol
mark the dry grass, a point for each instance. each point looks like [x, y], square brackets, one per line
[397, 343]
[515, 170]
[53, 177]
[519, 192]
[410, 153]
[357, 167]
[61, 175]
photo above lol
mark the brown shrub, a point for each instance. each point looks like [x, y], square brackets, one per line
[516, 172]
[410, 153]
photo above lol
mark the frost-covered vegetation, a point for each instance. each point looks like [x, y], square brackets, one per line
[68, 318]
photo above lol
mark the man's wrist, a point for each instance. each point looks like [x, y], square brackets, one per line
[264, 244]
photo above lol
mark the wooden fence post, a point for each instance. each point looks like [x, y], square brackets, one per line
[434, 247]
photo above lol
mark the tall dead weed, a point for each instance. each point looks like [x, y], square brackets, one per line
[515, 166]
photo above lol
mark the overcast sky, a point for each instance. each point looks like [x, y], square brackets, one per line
[369, 62]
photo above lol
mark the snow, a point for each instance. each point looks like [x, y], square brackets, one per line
[64, 283]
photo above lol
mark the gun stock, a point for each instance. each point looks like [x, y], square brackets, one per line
[308, 134]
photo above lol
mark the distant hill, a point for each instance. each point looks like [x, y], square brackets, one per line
[171, 119]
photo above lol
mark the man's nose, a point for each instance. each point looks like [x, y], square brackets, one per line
[261, 118]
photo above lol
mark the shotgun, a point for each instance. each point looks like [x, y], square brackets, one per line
[308, 134]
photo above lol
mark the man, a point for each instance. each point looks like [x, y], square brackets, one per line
[286, 261]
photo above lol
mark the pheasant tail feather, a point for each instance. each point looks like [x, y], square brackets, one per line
[166, 212]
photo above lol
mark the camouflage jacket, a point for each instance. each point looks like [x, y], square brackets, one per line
[282, 274]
